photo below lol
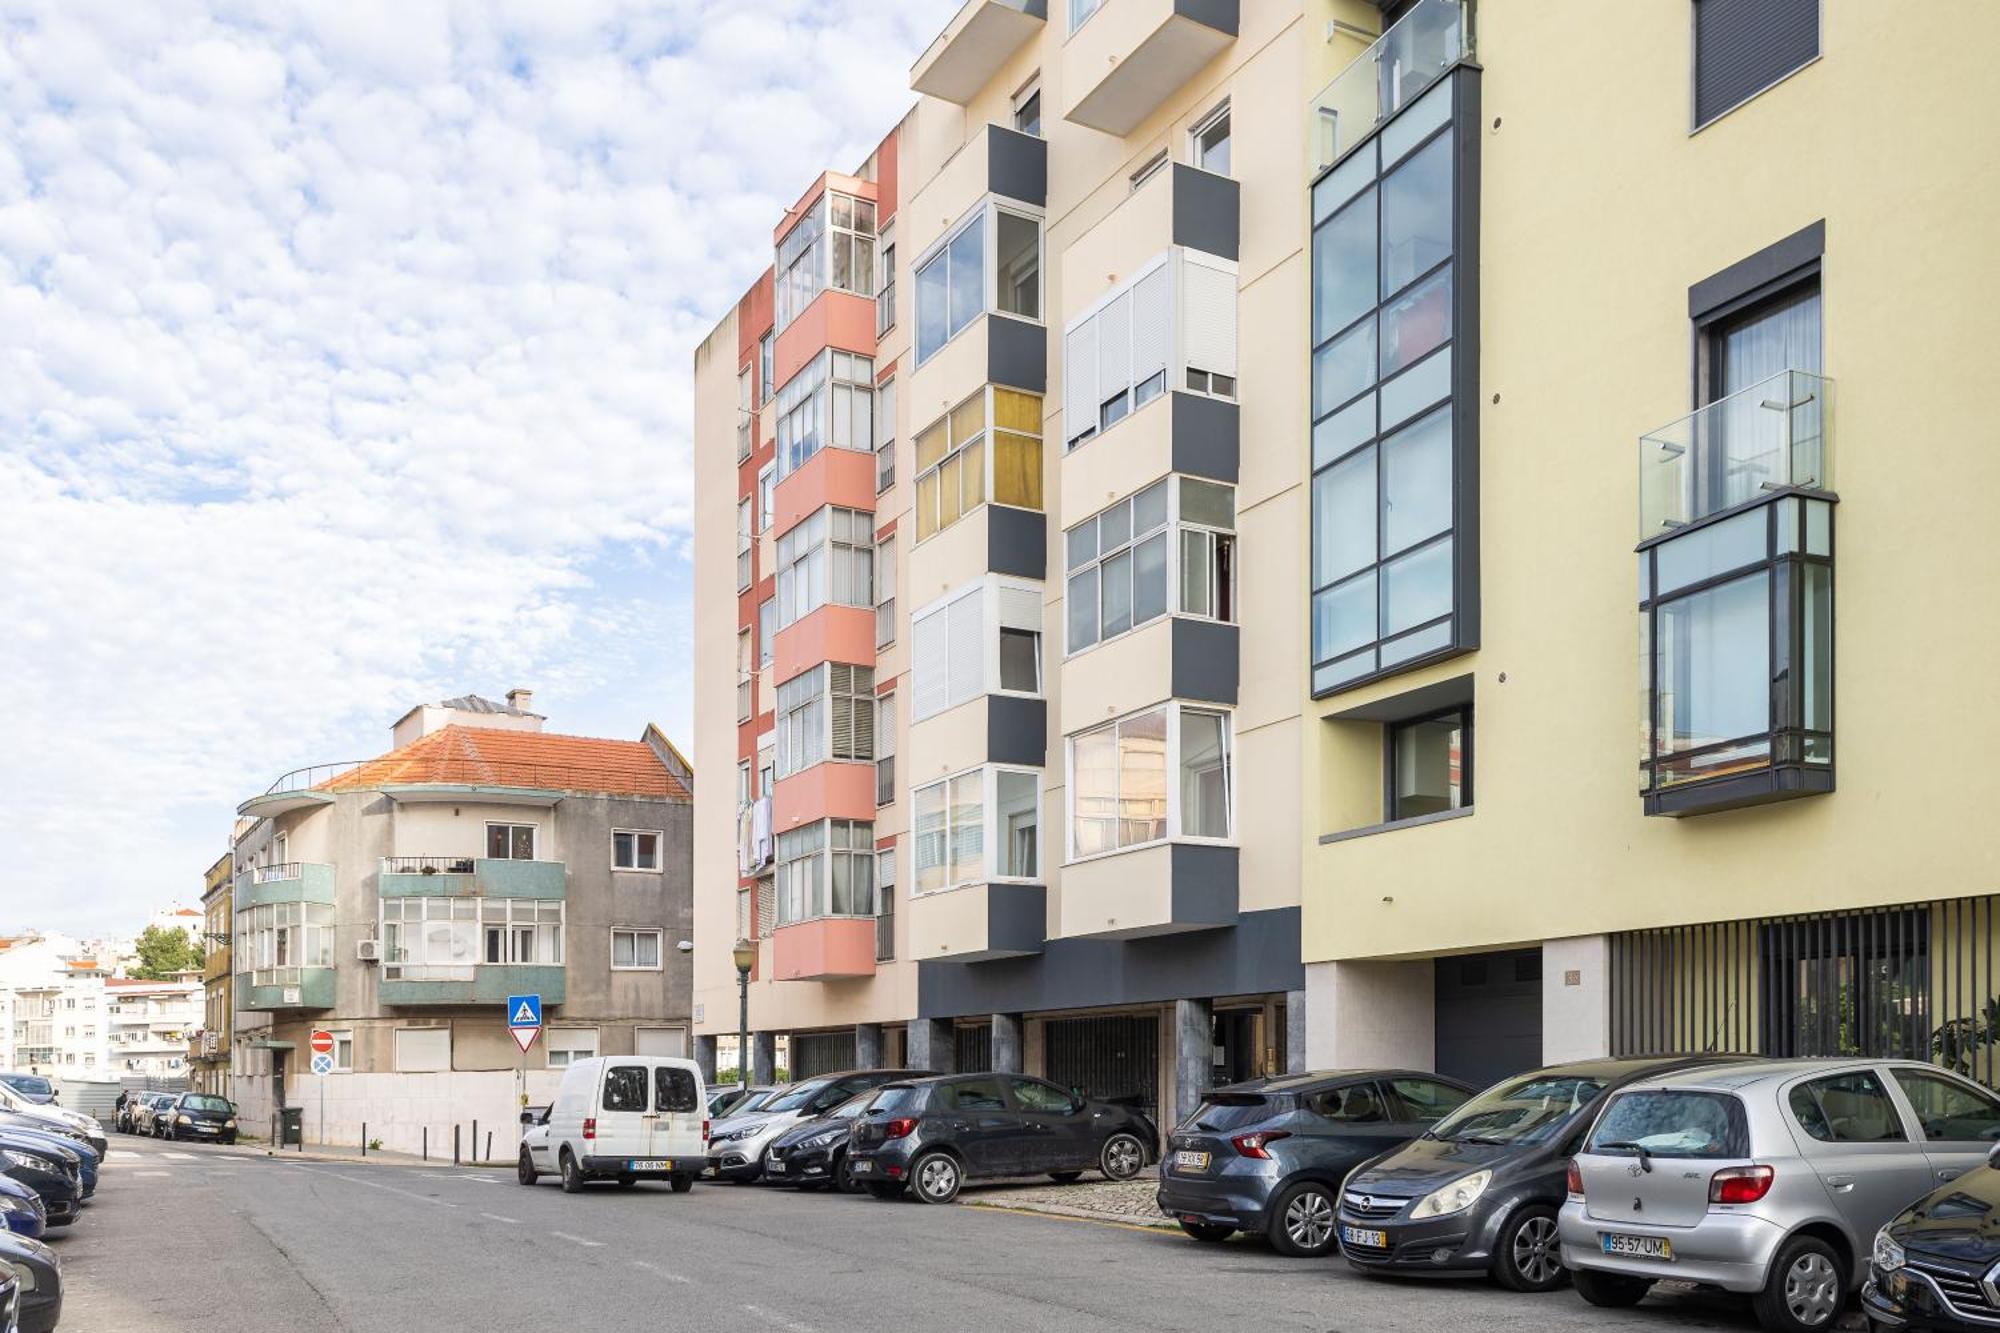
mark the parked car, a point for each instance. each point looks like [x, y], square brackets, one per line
[21, 1211]
[815, 1153]
[198, 1115]
[39, 1274]
[1269, 1155]
[1769, 1179]
[1929, 1268]
[34, 1087]
[931, 1135]
[620, 1117]
[11, 1100]
[52, 1173]
[731, 1100]
[47, 1135]
[10, 1300]
[736, 1145]
[1479, 1193]
[146, 1110]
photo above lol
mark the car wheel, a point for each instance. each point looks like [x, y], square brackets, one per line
[936, 1176]
[682, 1184]
[1208, 1232]
[572, 1174]
[1065, 1177]
[1806, 1289]
[626, 1182]
[1610, 1291]
[1528, 1256]
[1122, 1157]
[524, 1170]
[229, 1141]
[843, 1176]
[1302, 1221]
[885, 1189]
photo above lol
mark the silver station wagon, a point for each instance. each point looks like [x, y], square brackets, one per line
[1769, 1179]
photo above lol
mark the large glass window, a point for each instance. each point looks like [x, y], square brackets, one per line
[826, 869]
[830, 557]
[951, 828]
[1430, 765]
[825, 713]
[833, 244]
[1128, 565]
[1157, 774]
[1386, 486]
[956, 470]
[444, 939]
[275, 940]
[831, 401]
[953, 283]
[983, 638]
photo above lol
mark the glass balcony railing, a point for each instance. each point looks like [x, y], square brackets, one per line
[1760, 439]
[1416, 50]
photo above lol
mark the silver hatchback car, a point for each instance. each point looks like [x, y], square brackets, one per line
[1769, 1179]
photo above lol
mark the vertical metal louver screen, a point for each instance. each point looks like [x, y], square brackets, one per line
[1114, 1058]
[821, 1053]
[974, 1048]
[1743, 46]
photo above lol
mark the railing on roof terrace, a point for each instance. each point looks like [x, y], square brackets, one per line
[1389, 75]
[305, 779]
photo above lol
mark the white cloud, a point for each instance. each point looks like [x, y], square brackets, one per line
[344, 363]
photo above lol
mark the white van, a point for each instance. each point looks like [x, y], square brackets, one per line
[626, 1118]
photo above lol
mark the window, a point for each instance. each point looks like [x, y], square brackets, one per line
[954, 657]
[885, 904]
[764, 368]
[1951, 1111]
[830, 557]
[1424, 1100]
[1028, 108]
[1031, 1094]
[635, 850]
[954, 471]
[1126, 568]
[1080, 10]
[743, 792]
[275, 940]
[1208, 142]
[1157, 774]
[625, 1088]
[767, 479]
[885, 295]
[1387, 576]
[767, 631]
[981, 1094]
[951, 828]
[744, 440]
[1356, 1104]
[829, 402]
[520, 931]
[953, 286]
[568, 1045]
[825, 713]
[853, 243]
[745, 521]
[635, 950]
[1847, 1108]
[1021, 660]
[673, 1087]
[885, 435]
[423, 1050]
[1018, 263]
[1742, 47]
[885, 592]
[447, 939]
[1430, 765]
[885, 748]
[826, 869]
[1672, 1124]
[832, 244]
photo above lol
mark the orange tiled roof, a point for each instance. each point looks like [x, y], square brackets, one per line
[488, 757]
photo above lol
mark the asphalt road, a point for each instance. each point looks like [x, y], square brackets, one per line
[200, 1237]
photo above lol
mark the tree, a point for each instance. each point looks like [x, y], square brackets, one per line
[163, 951]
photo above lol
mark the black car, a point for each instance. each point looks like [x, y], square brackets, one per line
[145, 1111]
[197, 1115]
[32, 1130]
[931, 1135]
[53, 1173]
[815, 1153]
[736, 1146]
[1479, 1192]
[10, 1298]
[39, 1275]
[1268, 1156]
[1934, 1265]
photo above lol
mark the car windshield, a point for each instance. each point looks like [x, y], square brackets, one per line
[798, 1096]
[853, 1106]
[1223, 1111]
[201, 1101]
[32, 1084]
[1672, 1124]
[1525, 1110]
[754, 1100]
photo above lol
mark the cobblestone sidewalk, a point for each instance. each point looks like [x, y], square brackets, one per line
[1127, 1201]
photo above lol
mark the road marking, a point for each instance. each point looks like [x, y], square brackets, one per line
[564, 1235]
[159, 1175]
[377, 1185]
[655, 1268]
[224, 1157]
[495, 1217]
[124, 1155]
[484, 1180]
[773, 1317]
[180, 1157]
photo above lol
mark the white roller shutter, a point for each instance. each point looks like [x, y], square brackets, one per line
[930, 663]
[1080, 378]
[1208, 317]
[967, 655]
[1152, 325]
[1020, 608]
[1114, 346]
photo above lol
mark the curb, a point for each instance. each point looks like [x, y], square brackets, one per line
[328, 1159]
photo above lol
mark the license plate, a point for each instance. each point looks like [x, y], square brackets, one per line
[777, 1166]
[861, 1167]
[1362, 1236]
[1636, 1247]
[1190, 1161]
[650, 1164]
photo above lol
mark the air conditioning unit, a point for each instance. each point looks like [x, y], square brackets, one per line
[368, 951]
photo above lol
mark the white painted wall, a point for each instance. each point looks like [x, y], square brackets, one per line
[1368, 1013]
[1576, 1008]
[397, 1108]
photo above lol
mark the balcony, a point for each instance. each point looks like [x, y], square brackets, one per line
[979, 922]
[824, 949]
[1163, 889]
[285, 990]
[981, 37]
[1130, 56]
[1412, 55]
[294, 791]
[285, 882]
[471, 877]
[413, 984]
[1737, 450]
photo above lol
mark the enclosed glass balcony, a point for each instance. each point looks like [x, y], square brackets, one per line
[1768, 437]
[1412, 55]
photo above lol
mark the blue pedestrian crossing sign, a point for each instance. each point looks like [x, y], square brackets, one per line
[524, 1019]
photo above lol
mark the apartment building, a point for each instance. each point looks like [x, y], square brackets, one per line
[209, 1045]
[53, 1011]
[147, 1024]
[1628, 562]
[1005, 452]
[397, 902]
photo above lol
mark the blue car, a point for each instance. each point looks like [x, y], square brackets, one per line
[34, 1087]
[21, 1210]
[26, 1127]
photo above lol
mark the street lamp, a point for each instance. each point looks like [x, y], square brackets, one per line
[745, 954]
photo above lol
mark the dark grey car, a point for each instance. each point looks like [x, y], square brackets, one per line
[1269, 1155]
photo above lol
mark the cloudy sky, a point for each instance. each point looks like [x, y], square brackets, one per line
[345, 363]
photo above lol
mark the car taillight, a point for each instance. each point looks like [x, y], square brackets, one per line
[1741, 1184]
[590, 1129]
[704, 1130]
[900, 1127]
[1575, 1180]
[1252, 1145]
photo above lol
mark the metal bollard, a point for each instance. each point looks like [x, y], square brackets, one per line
[427, 1143]
[475, 1141]
[364, 1138]
[454, 1145]
[489, 1145]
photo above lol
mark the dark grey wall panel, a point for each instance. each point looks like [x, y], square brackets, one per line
[1218, 14]
[1207, 437]
[1017, 917]
[1205, 660]
[1017, 165]
[1744, 46]
[1017, 353]
[1746, 277]
[1017, 730]
[1207, 211]
[1017, 542]
[1259, 954]
[1204, 884]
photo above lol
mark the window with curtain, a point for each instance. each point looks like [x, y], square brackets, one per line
[826, 869]
[953, 458]
[825, 713]
[829, 557]
[830, 401]
[955, 840]
[1166, 772]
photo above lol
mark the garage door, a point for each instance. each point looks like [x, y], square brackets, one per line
[974, 1048]
[821, 1053]
[1112, 1059]
[1489, 1015]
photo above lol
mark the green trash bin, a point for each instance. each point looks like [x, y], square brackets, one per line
[291, 1127]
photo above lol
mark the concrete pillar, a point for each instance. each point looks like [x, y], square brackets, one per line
[933, 1045]
[1576, 998]
[868, 1046]
[1007, 1043]
[704, 1057]
[1194, 1055]
[763, 1057]
[1295, 1032]
[1367, 1013]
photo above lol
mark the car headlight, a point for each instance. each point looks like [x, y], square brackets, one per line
[229, 1123]
[13, 1203]
[28, 1160]
[184, 1120]
[25, 1276]
[820, 1141]
[1456, 1197]
[1888, 1255]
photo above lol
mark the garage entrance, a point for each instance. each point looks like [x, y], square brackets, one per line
[1115, 1058]
[1489, 1014]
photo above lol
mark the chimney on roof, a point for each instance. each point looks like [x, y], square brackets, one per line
[521, 699]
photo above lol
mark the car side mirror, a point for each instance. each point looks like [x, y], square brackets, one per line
[527, 1117]
[1993, 1156]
